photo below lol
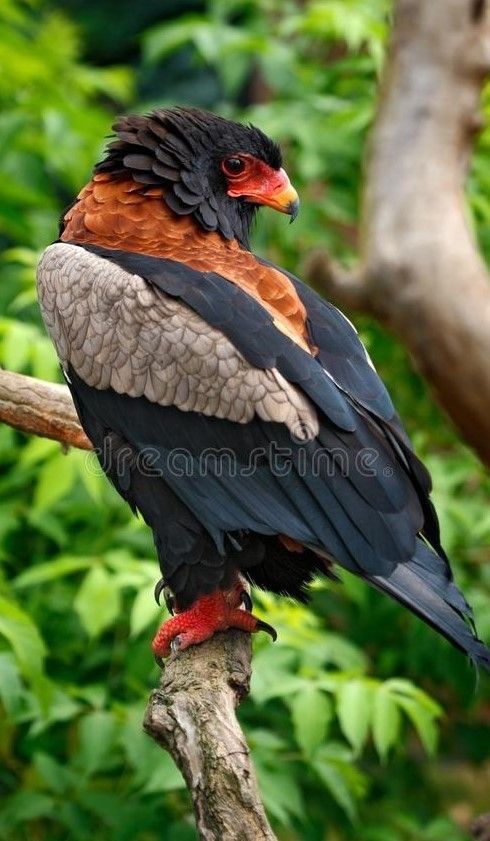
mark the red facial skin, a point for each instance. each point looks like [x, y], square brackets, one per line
[261, 184]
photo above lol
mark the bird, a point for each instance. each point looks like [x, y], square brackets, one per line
[232, 407]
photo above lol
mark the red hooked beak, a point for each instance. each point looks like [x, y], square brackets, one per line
[270, 187]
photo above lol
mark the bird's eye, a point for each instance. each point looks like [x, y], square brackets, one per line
[233, 166]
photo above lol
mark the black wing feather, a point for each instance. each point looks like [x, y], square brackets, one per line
[244, 321]
[367, 521]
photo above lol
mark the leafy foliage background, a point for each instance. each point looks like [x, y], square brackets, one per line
[363, 724]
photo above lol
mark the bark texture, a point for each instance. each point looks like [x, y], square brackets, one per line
[192, 715]
[420, 272]
[40, 408]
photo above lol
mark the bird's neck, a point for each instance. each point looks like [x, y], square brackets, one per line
[123, 214]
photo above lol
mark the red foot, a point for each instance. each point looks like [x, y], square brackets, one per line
[216, 612]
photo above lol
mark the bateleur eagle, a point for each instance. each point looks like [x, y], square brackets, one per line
[231, 406]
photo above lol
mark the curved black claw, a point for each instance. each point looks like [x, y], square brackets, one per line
[169, 601]
[161, 587]
[159, 661]
[263, 626]
[247, 601]
[157, 592]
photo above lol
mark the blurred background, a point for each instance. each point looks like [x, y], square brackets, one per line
[363, 724]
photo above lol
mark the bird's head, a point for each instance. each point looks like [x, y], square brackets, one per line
[217, 170]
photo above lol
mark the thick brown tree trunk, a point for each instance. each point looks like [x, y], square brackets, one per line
[419, 271]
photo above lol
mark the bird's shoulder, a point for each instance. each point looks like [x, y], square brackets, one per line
[125, 216]
[145, 328]
[340, 350]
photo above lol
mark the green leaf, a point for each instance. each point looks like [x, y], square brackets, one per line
[16, 346]
[27, 806]
[343, 653]
[311, 711]
[146, 757]
[332, 778]
[98, 601]
[265, 740]
[280, 792]
[44, 361]
[386, 721]
[422, 710]
[272, 677]
[23, 636]
[165, 776]
[61, 708]
[166, 38]
[36, 450]
[90, 472]
[423, 721]
[57, 777]
[48, 524]
[11, 689]
[142, 612]
[51, 570]
[406, 688]
[333, 764]
[354, 709]
[54, 481]
[284, 686]
[443, 829]
[97, 733]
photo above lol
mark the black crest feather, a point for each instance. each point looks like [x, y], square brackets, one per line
[181, 148]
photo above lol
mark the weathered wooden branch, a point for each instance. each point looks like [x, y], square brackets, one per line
[192, 714]
[40, 408]
[420, 272]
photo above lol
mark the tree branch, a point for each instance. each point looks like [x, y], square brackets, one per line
[420, 271]
[341, 285]
[40, 408]
[192, 713]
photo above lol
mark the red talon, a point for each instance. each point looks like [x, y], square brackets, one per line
[216, 612]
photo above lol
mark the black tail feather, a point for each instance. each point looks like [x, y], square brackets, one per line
[425, 587]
